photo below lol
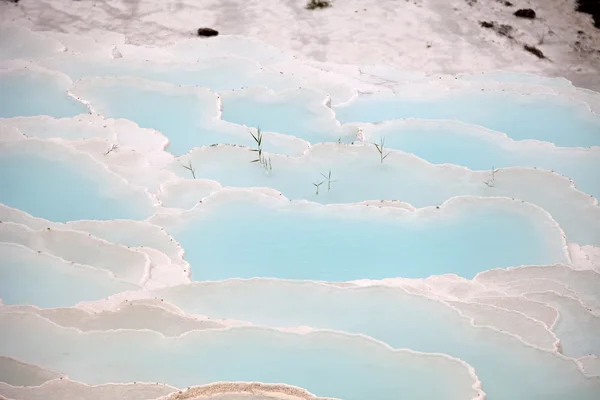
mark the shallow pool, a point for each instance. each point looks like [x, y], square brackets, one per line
[257, 237]
[28, 92]
[544, 117]
[57, 183]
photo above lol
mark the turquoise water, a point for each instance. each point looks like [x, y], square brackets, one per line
[462, 145]
[178, 115]
[300, 113]
[44, 182]
[188, 117]
[245, 239]
[26, 93]
[27, 277]
[359, 176]
[508, 368]
[245, 354]
[541, 117]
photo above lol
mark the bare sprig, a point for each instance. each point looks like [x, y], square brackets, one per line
[381, 149]
[112, 148]
[190, 168]
[328, 180]
[318, 185]
[492, 181]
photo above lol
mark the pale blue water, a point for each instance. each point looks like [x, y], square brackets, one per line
[360, 176]
[508, 368]
[187, 119]
[60, 191]
[301, 115]
[246, 354]
[451, 145]
[178, 116]
[26, 94]
[544, 118]
[244, 240]
[27, 277]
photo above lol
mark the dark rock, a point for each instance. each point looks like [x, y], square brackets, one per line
[591, 7]
[525, 13]
[508, 4]
[316, 4]
[502, 30]
[535, 51]
[207, 32]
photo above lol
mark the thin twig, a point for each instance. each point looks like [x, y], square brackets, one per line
[112, 148]
[191, 169]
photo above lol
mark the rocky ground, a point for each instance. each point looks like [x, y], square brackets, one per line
[435, 36]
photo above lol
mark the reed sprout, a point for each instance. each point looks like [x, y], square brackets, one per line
[264, 161]
[112, 148]
[328, 180]
[258, 139]
[317, 186]
[381, 149]
[492, 181]
[190, 168]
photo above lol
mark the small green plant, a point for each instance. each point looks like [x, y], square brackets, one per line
[381, 149]
[112, 148]
[258, 139]
[190, 168]
[318, 185]
[265, 162]
[492, 181]
[328, 180]
[314, 4]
